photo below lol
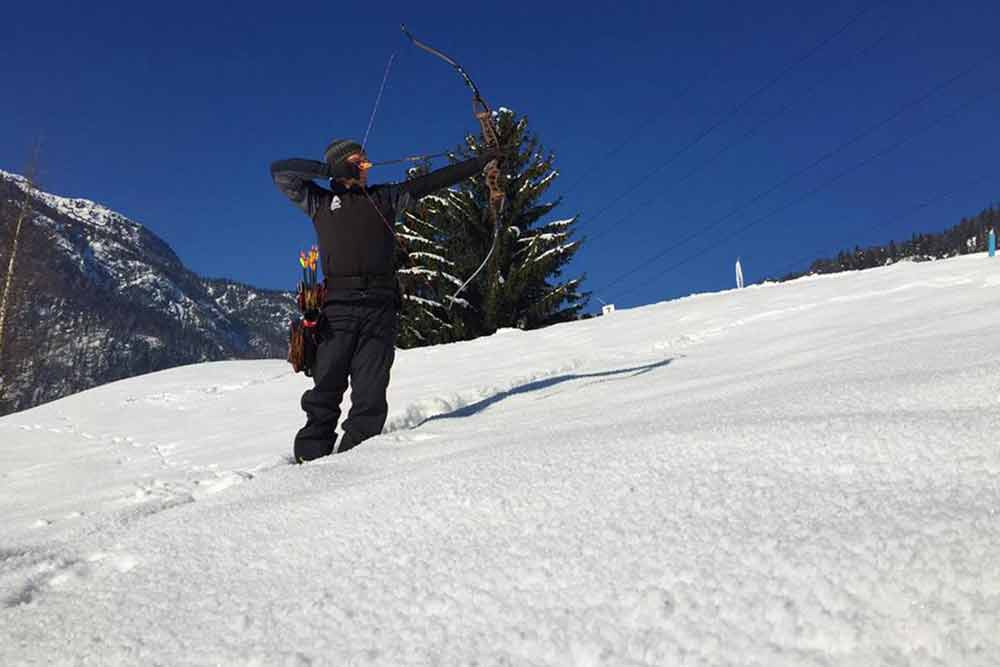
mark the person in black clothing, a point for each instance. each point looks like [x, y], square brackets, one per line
[357, 247]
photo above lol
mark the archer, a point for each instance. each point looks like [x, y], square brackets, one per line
[359, 319]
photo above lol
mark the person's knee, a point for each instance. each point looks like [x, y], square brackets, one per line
[320, 404]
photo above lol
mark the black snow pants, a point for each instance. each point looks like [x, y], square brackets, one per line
[357, 343]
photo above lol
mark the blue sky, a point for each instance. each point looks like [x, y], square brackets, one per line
[171, 114]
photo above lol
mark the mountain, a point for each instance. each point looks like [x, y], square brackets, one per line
[97, 297]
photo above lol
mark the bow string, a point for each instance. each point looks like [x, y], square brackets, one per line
[491, 172]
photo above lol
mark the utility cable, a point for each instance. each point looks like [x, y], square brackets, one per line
[636, 132]
[749, 134]
[737, 108]
[823, 158]
[825, 184]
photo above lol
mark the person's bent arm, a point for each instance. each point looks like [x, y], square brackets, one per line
[294, 178]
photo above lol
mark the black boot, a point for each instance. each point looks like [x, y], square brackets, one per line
[307, 450]
[347, 441]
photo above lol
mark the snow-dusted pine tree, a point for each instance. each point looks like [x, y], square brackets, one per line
[425, 273]
[522, 284]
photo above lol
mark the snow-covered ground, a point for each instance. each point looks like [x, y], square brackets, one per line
[801, 474]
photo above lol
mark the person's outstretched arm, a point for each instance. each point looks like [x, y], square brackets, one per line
[294, 178]
[445, 177]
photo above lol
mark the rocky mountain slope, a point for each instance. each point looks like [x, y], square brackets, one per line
[97, 297]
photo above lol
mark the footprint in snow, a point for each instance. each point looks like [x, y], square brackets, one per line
[410, 437]
[209, 487]
[96, 564]
[119, 562]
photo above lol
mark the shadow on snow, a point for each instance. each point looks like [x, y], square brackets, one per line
[605, 376]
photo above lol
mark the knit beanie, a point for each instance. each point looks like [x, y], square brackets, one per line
[336, 154]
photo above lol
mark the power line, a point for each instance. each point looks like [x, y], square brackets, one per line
[636, 132]
[749, 133]
[738, 108]
[642, 126]
[806, 195]
[822, 158]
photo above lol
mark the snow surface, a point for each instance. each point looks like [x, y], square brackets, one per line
[795, 474]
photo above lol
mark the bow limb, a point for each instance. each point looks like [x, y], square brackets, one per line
[451, 61]
[491, 173]
[492, 169]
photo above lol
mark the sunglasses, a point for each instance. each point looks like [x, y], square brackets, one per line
[360, 163]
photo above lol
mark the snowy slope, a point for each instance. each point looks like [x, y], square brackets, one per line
[800, 474]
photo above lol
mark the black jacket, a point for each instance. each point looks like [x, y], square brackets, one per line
[354, 226]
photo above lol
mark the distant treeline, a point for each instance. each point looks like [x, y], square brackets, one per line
[968, 236]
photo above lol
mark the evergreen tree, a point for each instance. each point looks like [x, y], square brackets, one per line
[425, 274]
[968, 236]
[522, 284]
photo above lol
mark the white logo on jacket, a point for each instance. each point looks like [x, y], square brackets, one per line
[335, 203]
